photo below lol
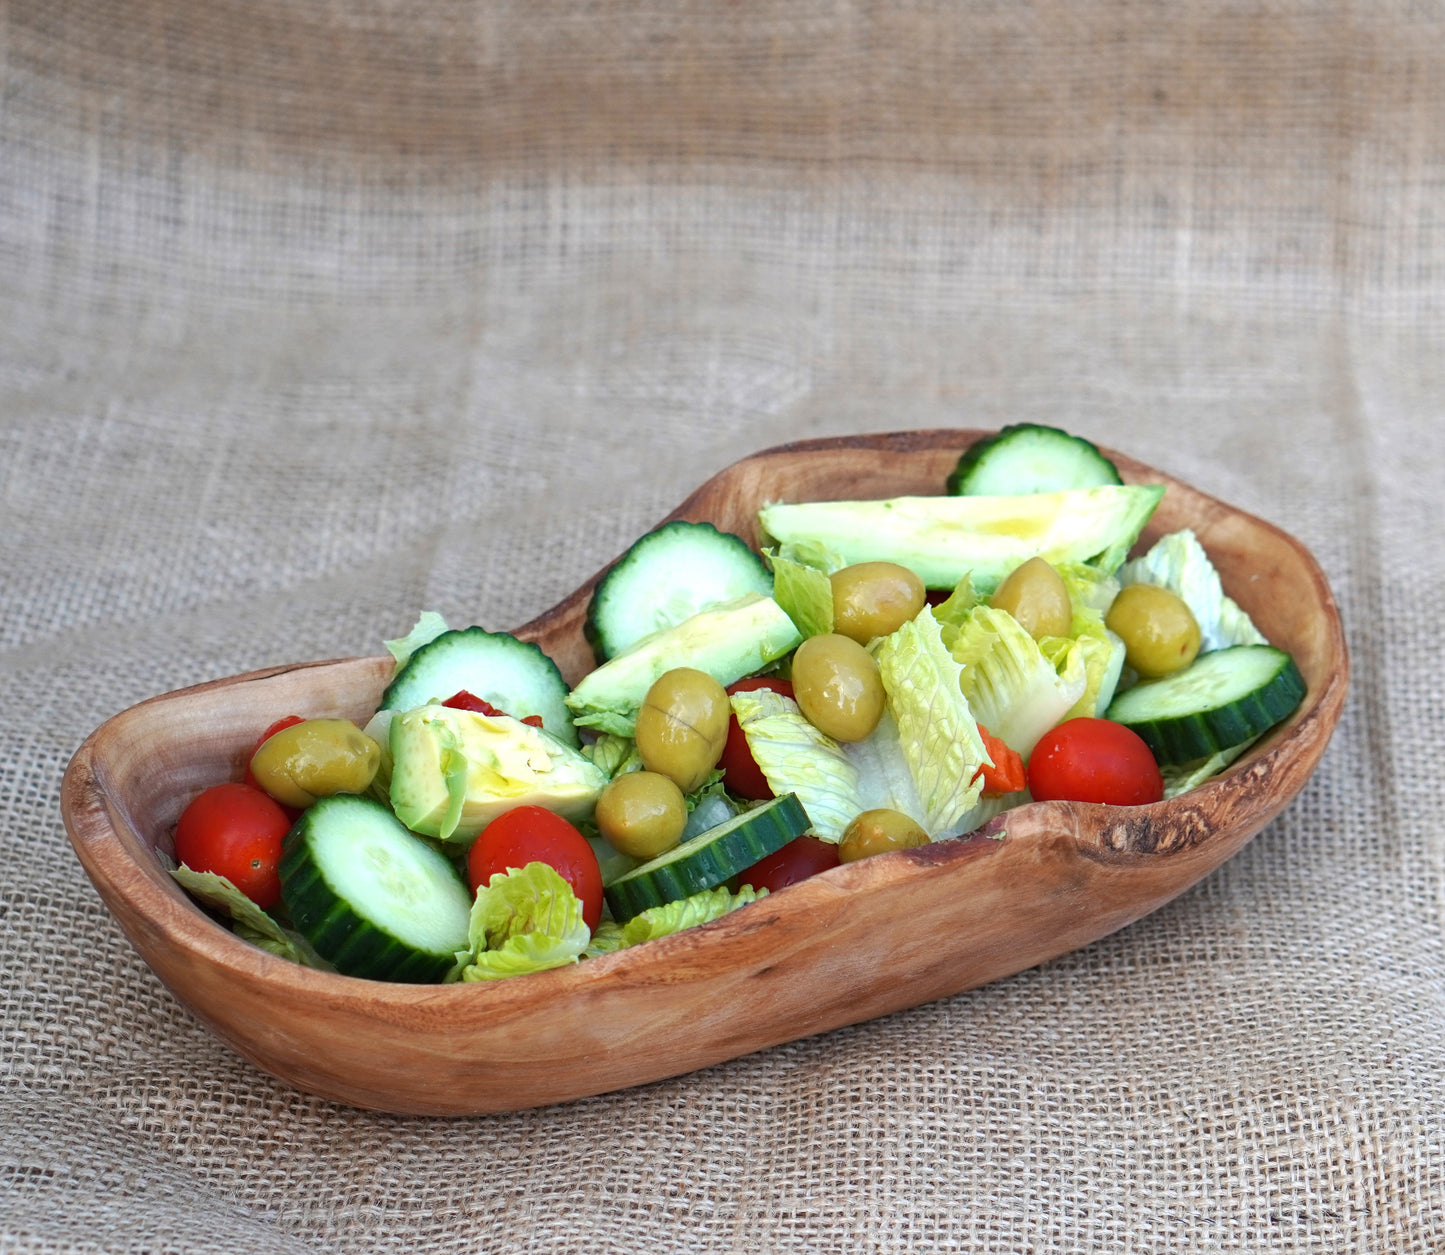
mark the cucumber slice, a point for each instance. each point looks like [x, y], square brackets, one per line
[1219, 700]
[709, 858]
[1027, 458]
[514, 676]
[666, 577]
[373, 899]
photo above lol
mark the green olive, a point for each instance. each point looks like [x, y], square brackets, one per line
[642, 814]
[872, 599]
[877, 832]
[837, 686]
[315, 758]
[683, 726]
[1158, 629]
[1035, 595]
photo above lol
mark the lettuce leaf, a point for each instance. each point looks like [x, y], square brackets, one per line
[920, 760]
[526, 920]
[813, 553]
[615, 755]
[249, 921]
[1091, 591]
[952, 613]
[1102, 656]
[428, 627]
[797, 758]
[937, 730]
[1181, 777]
[663, 921]
[1016, 692]
[1178, 562]
[804, 592]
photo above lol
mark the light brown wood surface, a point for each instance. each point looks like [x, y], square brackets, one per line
[862, 940]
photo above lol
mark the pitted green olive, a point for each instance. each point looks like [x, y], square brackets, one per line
[315, 758]
[642, 814]
[1035, 595]
[1159, 631]
[837, 686]
[877, 832]
[683, 726]
[872, 599]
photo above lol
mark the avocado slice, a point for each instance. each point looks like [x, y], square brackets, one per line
[454, 771]
[942, 539]
[728, 641]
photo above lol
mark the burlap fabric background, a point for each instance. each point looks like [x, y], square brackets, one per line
[314, 315]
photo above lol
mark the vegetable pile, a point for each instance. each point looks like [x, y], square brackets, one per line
[883, 675]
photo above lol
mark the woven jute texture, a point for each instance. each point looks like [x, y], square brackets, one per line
[314, 315]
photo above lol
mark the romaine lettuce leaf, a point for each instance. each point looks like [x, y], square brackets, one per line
[1178, 562]
[953, 612]
[937, 729]
[1091, 591]
[1102, 656]
[804, 592]
[428, 627]
[884, 778]
[920, 760]
[1181, 777]
[615, 755]
[813, 553]
[662, 921]
[797, 758]
[248, 920]
[526, 920]
[1012, 688]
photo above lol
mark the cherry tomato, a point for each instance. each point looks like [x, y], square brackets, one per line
[741, 775]
[235, 831]
[289, 722]
[1007, 773]
[533, 834]
[463, 700]
[800, 858]
[1094, 760]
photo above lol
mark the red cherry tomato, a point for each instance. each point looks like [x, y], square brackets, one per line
[741, 775]
[289, 722]
[533, 834]
[235, 831]
[1094, 760]
[800, 858]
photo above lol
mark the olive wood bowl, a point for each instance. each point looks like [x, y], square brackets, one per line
[856, 942]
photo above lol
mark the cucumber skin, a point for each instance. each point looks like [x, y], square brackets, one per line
[603, 643]
[350, 944]
[763, 832]
[1187, 737]
[978, 454]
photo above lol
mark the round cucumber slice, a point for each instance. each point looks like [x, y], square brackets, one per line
[1220, 700]
[1027, 458]
[513, 675]
[708, 859]
[667, 577]
[373, 898]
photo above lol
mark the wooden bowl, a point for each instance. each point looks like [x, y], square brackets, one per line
[856, 942]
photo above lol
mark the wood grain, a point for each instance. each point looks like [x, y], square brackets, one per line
[860, 941]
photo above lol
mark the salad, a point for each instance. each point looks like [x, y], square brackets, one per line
[884, 674]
